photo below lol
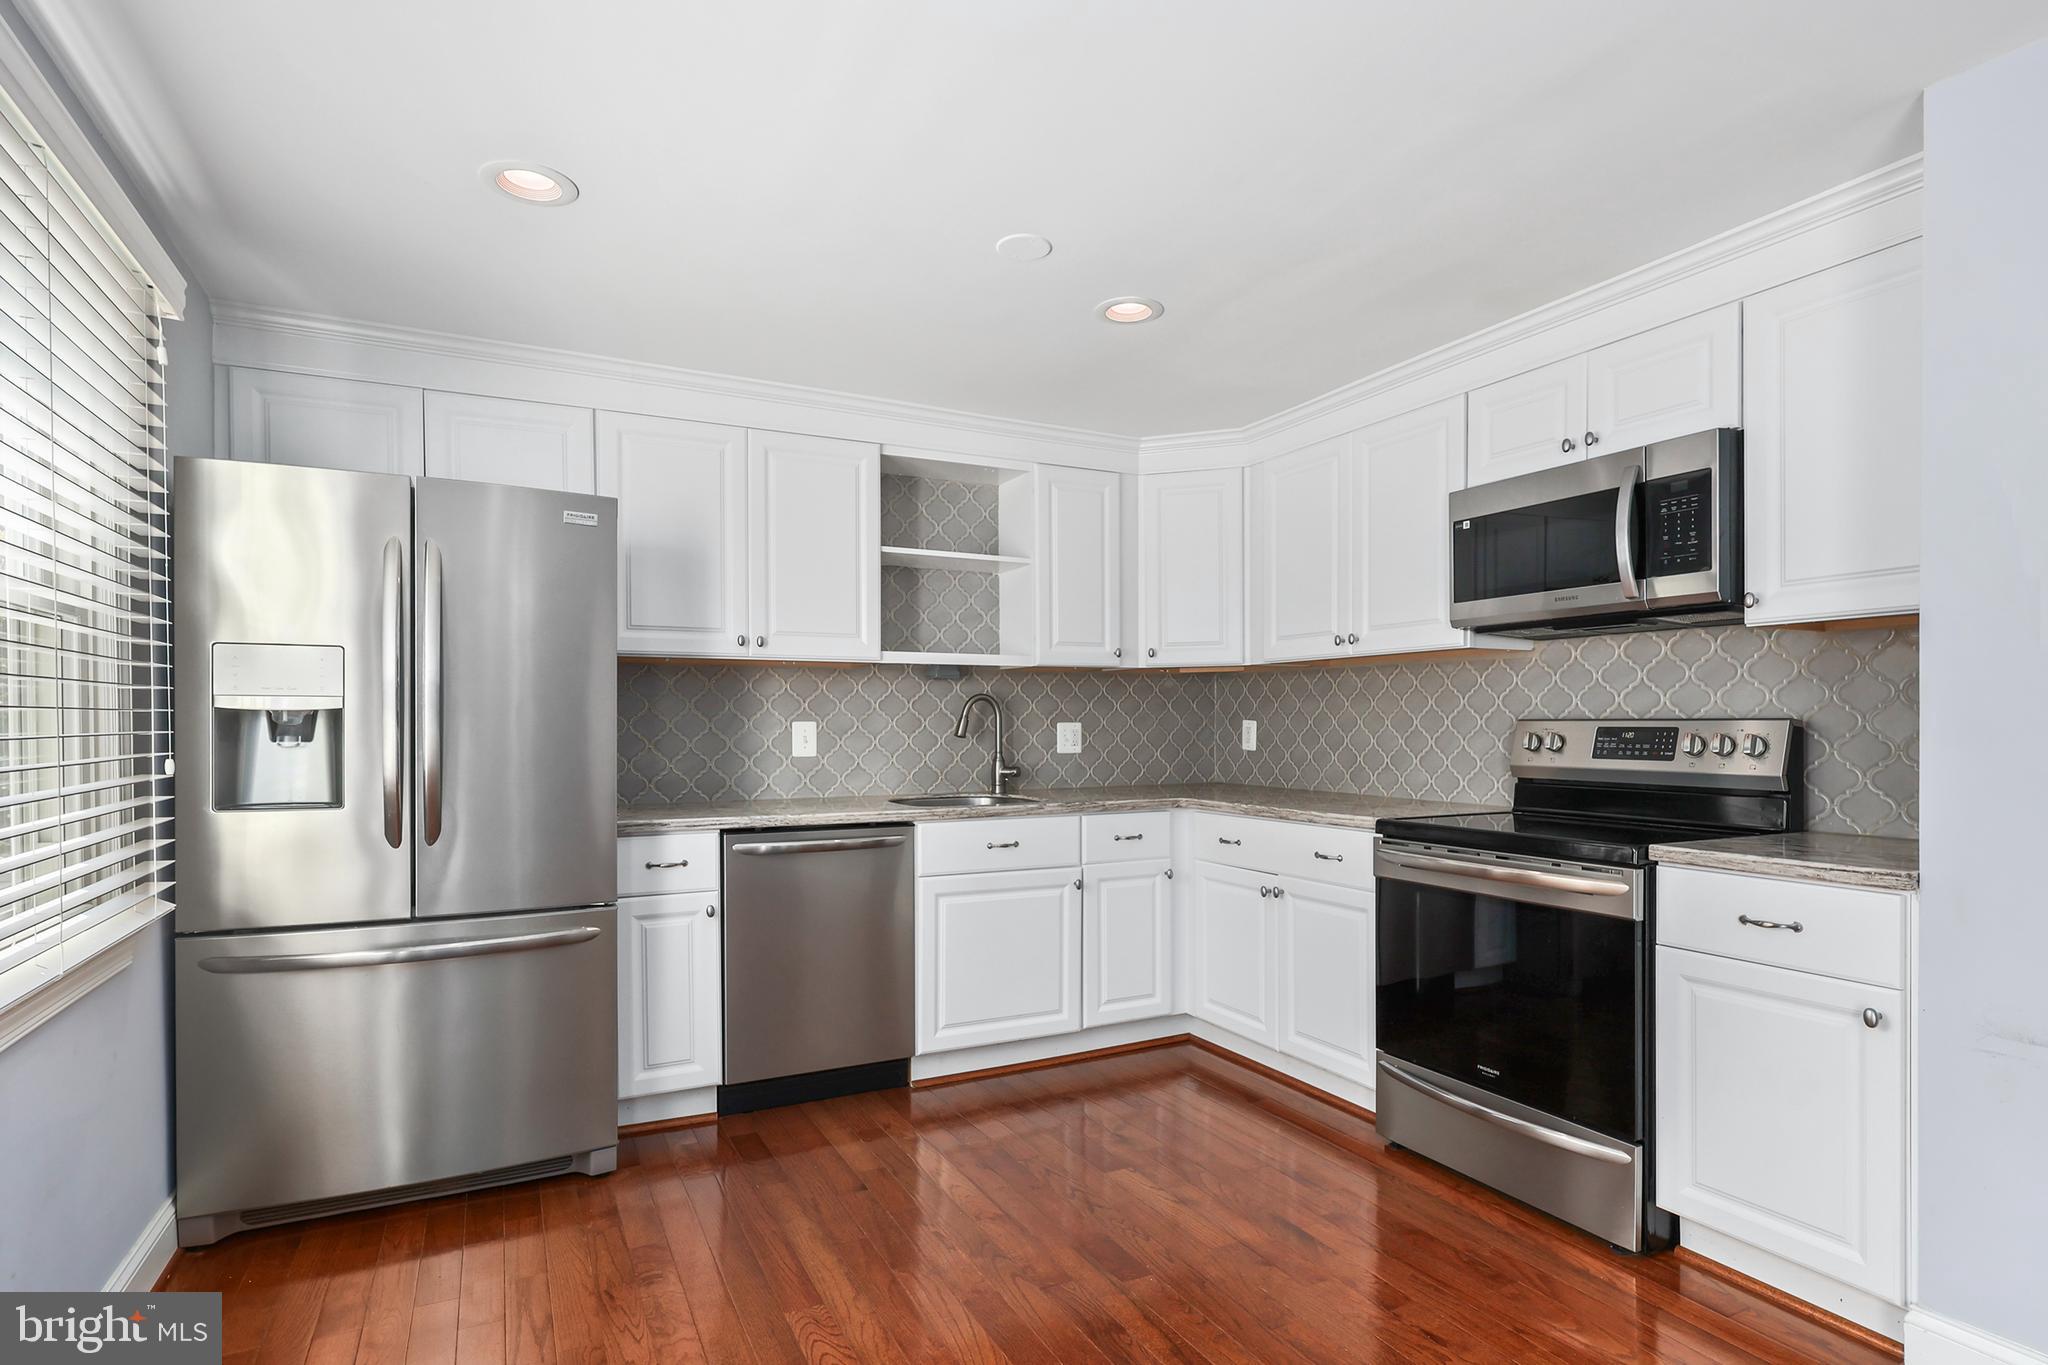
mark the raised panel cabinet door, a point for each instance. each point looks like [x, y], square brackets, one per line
[1530, 422]
[325, 423]
[1234, 924]
[671, 1015]
[998, 957]
[683, 565]
[1781, 1113]
[1407, 468]
[1327, 982]
[1304, 553]
[1673, 380]
[1831, 452]
[509, 440]
[1191, 537]
[1080, 566]
[815, 589]
[1126, 942]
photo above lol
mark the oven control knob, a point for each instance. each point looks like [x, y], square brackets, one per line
[1533, 742]
[1554, 742]
[1756, 746]
[1695, 744]
[1724, 746]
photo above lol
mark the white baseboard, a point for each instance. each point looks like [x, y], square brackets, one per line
[1844, 1301]
[1329, 1082]
[681, 1104]
[1932, 1339]
[147, 1258]
[936, 1065]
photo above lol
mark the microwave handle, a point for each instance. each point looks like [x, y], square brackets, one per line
[1624, 533]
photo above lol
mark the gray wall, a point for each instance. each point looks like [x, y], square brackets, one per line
[1982, 1012]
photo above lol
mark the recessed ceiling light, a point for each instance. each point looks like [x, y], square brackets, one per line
[1023, 246]
[1130, 308]
[531, 183]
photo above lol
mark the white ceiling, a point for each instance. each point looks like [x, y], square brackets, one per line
[811, 192]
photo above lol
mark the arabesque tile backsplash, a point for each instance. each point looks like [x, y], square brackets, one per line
[1433, 728]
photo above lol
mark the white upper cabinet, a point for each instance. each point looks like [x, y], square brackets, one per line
[1406, 469]
[683, 560]
[815, 531]
[1327, 985]
[1530, 422]
[326, 423]
[1677, 379]
[1831, 454]
[1304, 552]
[1127, 942]
[1080, 566]
[1191, 572]
[507, 440]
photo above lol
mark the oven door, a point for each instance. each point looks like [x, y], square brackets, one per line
[1554, 545]
[1518, 977]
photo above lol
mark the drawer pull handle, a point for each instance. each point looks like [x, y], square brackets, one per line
[1126, 838]
[1795, 926]
[1872, 1018]
[1330, 857]
[656, 867]
[1014, 843]
[1234, 843]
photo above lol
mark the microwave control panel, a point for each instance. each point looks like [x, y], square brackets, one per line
[1681, 524]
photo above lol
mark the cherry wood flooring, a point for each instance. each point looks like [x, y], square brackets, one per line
[1157, 1206]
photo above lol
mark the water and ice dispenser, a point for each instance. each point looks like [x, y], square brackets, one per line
[277, 726]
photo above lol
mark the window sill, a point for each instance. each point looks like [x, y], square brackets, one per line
[106, 952]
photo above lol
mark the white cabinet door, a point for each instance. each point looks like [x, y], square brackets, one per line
[1235, 930]
[1327, 982]
[507, 440]
[1191, 575]
[1126, 942]
[1683, 377]
[1831, 454]
[1080, 566]
[306, 419]
[671, 1013]
[1406, 469]
[683, 563]
[1304, 555]
[816, 540]
[1533, 421]
[1781, 1115]
[998, 957]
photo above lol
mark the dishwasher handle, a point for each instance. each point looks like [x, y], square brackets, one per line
[772, 848]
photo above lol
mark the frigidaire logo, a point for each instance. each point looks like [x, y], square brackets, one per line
[112, 1327]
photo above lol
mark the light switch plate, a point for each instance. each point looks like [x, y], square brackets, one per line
[803, 739]
[1069, 733]
[1248, 735]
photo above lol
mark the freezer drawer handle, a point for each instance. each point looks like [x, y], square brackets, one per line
[386, 957]
[430, 693]
[1565, 1141]
[818, 845]
[394, 693]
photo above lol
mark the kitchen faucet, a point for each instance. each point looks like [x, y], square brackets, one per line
[999, 772]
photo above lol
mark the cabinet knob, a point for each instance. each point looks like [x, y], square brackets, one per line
[1592, 439]
[1151, 653]
[1077, 883]
[1338, 640]
[1265, 893]
[1568, 447]
[741, 642]
[1352, 638]
[1278, 892]
[1871, 1018]
[1750, 599]
[710, 912]
[1117, 653]
[760, 642]
[1169, 874]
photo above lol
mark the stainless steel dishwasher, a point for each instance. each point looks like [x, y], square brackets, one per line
[819, 977]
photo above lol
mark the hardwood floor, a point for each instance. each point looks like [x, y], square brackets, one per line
[1157, 1206]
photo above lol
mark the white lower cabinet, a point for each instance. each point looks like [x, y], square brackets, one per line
[1234, 935]
[671, 1003]
[1781, 1114]
[1126, 942]
[998, 957]
[1326, 977]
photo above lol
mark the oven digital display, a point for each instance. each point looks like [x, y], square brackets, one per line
[1651, 743]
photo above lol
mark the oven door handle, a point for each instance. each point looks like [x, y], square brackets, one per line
[1518, 876]
[1625, 534]
[1550, 1137]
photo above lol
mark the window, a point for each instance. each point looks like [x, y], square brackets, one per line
[85, 795]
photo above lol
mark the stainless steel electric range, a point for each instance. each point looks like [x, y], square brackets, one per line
[1515, 972]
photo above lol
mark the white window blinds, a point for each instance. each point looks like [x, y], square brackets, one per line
[85, 802]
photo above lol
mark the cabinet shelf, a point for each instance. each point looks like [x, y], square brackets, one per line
[909, 557]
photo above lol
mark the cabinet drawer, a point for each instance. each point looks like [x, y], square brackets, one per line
[1846, 932]
[1010, 844]
[1126, 838]
[654, 864]
[1341, 857]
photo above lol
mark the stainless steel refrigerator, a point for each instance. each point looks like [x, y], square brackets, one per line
[396, 712]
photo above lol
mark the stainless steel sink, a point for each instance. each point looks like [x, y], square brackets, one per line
[962, 801]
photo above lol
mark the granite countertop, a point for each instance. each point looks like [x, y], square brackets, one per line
[1348, 810]
[1839, 859]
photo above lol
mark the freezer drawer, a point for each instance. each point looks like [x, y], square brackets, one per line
[321, 1064]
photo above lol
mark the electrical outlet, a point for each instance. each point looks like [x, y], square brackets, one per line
[803, 739]
[1248, 735]
[1069, 732]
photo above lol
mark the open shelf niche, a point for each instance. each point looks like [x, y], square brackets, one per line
[957, 582]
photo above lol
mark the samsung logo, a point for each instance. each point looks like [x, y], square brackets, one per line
[1565, 597]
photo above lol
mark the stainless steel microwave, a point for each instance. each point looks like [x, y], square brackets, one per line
[1643, 539]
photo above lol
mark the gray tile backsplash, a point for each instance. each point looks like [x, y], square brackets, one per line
[946, 611]
[1433, 729]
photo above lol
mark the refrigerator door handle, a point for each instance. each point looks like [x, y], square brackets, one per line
[385, 957]
[394, 692]
[430, 692]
